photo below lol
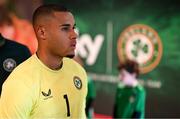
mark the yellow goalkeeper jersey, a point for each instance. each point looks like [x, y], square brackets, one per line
[33, 91]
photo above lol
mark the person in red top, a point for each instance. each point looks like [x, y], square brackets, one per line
[19, 30]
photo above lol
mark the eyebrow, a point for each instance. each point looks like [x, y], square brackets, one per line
[67, 25]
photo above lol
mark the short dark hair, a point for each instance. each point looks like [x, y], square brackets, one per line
[130, 66]
[48, 9]
[5, 17]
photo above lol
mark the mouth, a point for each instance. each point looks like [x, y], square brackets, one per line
[73, 45]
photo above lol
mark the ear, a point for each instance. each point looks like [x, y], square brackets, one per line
[41, 32]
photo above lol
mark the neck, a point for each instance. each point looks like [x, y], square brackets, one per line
[52, 62]
[130, 79]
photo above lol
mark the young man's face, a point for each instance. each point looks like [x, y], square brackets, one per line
[61, 34]
[122, 74]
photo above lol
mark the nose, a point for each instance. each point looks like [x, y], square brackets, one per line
[73, 35]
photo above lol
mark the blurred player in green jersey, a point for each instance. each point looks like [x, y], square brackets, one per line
[11, 55]
[130, 95]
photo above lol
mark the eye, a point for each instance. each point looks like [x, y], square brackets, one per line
[74, 27]
[65, 28]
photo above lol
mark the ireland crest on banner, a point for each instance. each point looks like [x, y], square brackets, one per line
[140, 43]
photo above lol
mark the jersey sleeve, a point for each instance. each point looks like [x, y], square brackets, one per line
[140, 106]
[16, 100]
[115, 110]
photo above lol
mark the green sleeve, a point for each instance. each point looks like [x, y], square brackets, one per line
[91, 89]
[140, 102]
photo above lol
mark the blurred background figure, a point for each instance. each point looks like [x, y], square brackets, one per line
[11, 55]
[91, 95]
[15, 28]
[130, 95]
[17, 40]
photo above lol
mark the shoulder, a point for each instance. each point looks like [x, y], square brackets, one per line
[22, 81]
[75, 69]
[140, 90]
[21, 78]
[24, 71]
[26, 65]
[120, 85]
[15, 46]
[73, 65]
[140, 87]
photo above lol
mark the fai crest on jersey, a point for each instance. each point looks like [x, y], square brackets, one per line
[77, 82]
[132, 99]
[140, 43]
[9, 64]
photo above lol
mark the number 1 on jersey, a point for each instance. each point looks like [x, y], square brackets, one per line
[67, 104]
